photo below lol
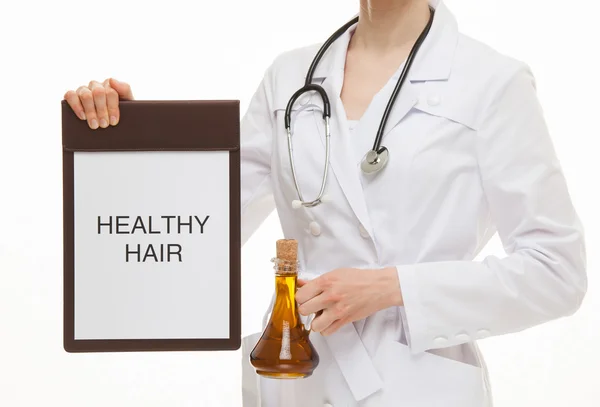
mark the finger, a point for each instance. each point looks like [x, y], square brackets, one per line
[112, 105]
[323, 321]
[309, 290]
[122, 88]
[300, 282]
[87, 100]
[333, 327]
[99, 94]
[73, 101]
[316, 304]
[112, 102]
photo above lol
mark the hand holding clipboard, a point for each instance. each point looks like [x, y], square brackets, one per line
[98, 103]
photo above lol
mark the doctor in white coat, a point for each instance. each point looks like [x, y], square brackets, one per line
[388, 260]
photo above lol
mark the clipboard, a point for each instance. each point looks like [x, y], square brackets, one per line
[151, 228]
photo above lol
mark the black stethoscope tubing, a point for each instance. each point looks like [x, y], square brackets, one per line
[309, 86]
[375, 159]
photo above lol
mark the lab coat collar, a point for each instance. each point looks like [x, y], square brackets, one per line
[433, 61]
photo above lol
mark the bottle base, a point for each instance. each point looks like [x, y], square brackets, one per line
[279, 375]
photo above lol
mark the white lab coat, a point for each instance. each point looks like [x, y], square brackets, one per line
[470, 155]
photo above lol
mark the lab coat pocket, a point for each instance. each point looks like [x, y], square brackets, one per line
[425, 380]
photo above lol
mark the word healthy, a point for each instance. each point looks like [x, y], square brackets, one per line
[163, 252]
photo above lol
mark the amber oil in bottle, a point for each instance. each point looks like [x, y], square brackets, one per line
[284, 350]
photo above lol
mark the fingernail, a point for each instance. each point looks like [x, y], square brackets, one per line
[113, 120]
[82, 115]
[94, 124]
[103, 123]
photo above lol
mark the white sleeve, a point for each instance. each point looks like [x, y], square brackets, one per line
[543, 275]
[257, 129]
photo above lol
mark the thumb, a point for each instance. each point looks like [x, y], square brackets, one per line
[300, 282]
[122, 88]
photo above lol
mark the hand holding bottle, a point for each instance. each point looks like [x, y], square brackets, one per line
[346, 295]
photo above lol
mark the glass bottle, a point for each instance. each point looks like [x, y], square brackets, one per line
[284, 350]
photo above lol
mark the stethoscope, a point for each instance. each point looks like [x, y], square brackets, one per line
[378, 156]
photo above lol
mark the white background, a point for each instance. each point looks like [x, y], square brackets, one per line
[219, 49]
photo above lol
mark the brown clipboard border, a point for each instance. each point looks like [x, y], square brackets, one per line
[172, 118]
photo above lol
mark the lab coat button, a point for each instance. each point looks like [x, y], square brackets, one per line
[483, 333]
[315, 228]
[463, 338]
[440, 341]
[363, 232]
[433, 100]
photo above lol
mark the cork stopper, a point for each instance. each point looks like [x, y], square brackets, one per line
[287, 249]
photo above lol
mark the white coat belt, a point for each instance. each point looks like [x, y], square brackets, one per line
[354, 362]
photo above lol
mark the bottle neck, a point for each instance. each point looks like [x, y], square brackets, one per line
[285, 290]
[285, 308]
[286, 275]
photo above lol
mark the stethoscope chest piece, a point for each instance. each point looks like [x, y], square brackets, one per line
[374, 161]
